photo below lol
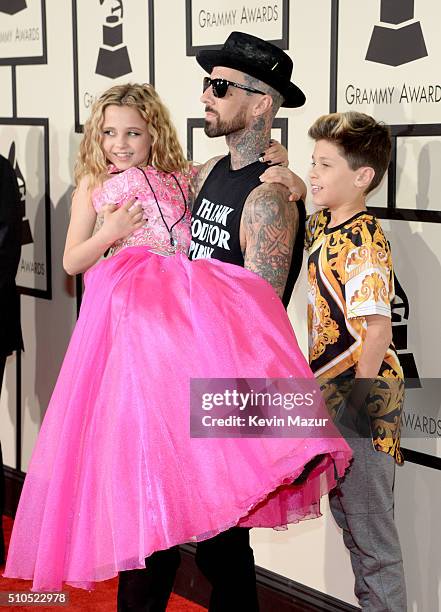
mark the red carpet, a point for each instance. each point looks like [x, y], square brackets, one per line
[103, 598]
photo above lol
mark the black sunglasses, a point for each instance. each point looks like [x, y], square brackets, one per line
[220, 87]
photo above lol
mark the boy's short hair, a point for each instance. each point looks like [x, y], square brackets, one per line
[362, 141]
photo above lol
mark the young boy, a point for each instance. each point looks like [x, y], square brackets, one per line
[350, 289]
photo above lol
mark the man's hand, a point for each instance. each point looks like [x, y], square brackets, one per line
[268, 229]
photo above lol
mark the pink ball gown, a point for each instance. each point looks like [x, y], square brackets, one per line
[115, 474]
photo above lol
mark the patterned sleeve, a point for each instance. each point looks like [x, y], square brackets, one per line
[307, 241]
[311, 224]
[368, 273]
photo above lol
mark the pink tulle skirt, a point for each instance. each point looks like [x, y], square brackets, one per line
[115, 474]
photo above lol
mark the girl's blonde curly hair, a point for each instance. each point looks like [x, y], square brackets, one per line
[166, 152]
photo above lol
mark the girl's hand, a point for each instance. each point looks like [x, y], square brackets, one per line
[286, 177]
[121, 222]
[275, 154]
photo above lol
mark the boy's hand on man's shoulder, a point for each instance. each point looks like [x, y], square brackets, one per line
[284, 176]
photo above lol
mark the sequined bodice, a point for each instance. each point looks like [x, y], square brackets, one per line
[125, 186]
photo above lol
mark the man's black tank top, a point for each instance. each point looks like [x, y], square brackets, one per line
[217, 211]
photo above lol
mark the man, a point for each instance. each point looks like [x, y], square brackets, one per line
[238, 220]
[10, 247]
[250, 80]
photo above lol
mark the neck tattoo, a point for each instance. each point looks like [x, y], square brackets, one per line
[247, 145]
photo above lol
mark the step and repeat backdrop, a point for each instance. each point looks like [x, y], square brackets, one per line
[113, 43]
[381, 57]
[24, 142]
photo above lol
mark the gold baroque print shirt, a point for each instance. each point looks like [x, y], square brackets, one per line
[350, 276]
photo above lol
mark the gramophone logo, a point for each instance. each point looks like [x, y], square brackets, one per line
[26, 234]
[395, 44]
[113, 57]
[11, 7]
[400, 319]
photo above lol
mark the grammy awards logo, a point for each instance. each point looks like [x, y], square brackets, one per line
[400, 317]
[26, 234]
[394, 44]
[113, 57]
[11, 7]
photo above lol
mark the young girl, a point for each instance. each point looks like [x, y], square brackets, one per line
[115, 475]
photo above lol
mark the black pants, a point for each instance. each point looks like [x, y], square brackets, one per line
[2, 476]
[226, 560]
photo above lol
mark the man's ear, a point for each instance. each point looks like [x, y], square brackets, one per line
[364, 177]
[263, 105]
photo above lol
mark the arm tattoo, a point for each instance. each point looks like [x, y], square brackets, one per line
[270, 224]
[98, 223]
[203, 171]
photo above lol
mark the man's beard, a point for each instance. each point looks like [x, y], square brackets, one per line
[217, 127]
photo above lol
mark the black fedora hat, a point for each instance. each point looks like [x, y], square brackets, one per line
[258, 58]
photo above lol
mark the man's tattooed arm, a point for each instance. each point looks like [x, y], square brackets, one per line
[98, 223]
[268, 229]
[202, 171]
